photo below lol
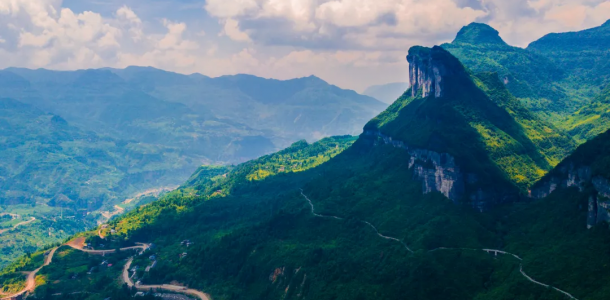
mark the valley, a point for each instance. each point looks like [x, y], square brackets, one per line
[134, 143]
[488, 178]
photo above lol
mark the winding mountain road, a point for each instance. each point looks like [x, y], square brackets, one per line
[490, 251]
[363, 222]
[30, 282]
[166, 287]
[78, 245]
[17, 225]
[79, 242]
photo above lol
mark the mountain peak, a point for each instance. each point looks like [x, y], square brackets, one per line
[478, 33]
[607, 24]
[429, 69]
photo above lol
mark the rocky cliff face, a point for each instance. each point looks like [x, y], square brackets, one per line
[438, 172]
[425, 73]
[580, 177]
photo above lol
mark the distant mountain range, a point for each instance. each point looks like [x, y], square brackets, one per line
[77, 143]
[387, 93]
[471, 185]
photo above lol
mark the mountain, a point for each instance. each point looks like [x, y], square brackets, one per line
[77, 143]
[387, 93]
[113, 107]
[302, 108]
[490, 132]
[593, 119]
[230, 118]
[584, 55]
[50, 169]
[588, 171]
[430, 201]
[561, 77]
[526, 74]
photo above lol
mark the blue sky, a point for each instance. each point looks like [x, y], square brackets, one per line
[351, 43]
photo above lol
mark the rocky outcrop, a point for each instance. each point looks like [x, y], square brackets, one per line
[437, 172]
[581, 177]
[565, 176]
[425, 73]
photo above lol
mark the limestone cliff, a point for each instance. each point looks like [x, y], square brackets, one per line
[425, 73]
[568, 175]
[438, 172]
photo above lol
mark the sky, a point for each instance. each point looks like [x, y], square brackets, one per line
[350, 43]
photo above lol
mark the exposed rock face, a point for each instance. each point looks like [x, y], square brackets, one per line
[570, 176]
[580, 177]
[438, 172]
[425, 73]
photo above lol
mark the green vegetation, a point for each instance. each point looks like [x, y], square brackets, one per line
[584, 55]
[480, 124]
[594, 154]
[37, 235]
[225, 119]
[218, 182]
[591, 120]
[529, 76]
[552, 142]
[261, 241]
[50, 170]
[80, 143]
[78, 275]
[560, 77]
[345, 218]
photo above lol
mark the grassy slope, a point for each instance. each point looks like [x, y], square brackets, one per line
[591, 120]
[585, 56]
[50, 168]
[553, 143]
[264, 227]
[529, 76]
[475, 127]
[257, 239]
[559, 76]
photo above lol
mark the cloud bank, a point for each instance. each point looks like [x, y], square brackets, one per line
[353, 43]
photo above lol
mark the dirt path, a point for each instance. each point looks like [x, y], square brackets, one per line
[78, 243]
[99, 231]
[363, 222]
[490, 251]
[117, 211]
[166, 287]
[153, 192]
[30, 282]
[17, 225]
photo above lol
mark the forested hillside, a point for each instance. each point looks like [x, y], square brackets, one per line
[464, 188]
[562, 77]
[428, 201]
[50, 169]
[86, 144]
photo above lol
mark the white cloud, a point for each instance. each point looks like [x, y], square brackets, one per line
[129, 20]
[47, 35]
[127, 14]
[231, 29]
[173, 39]
[342, 23]
[353, 43]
